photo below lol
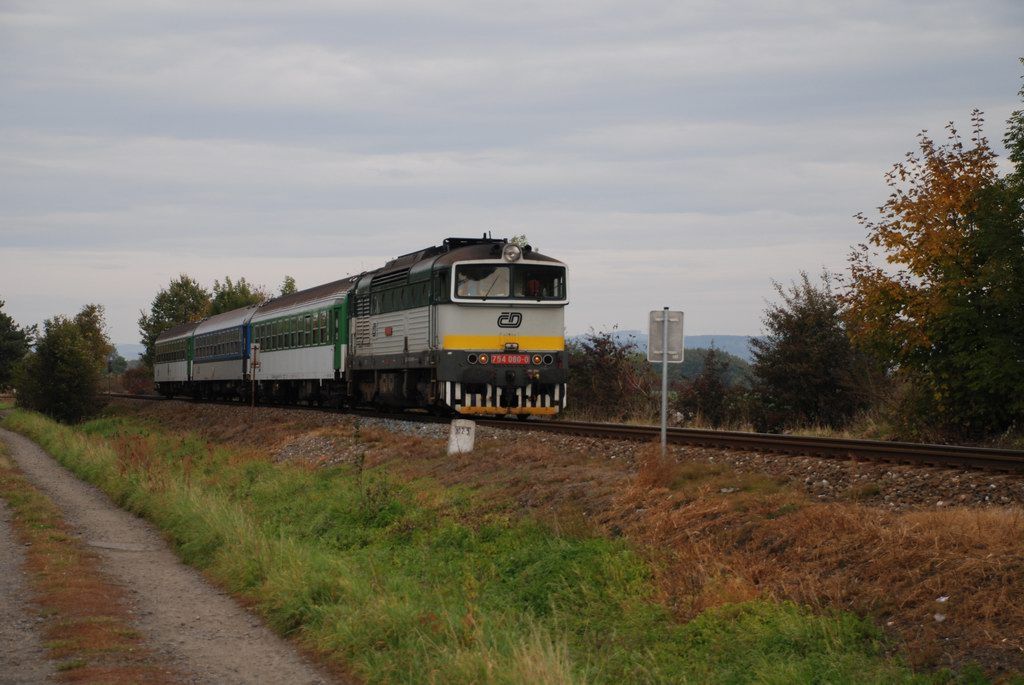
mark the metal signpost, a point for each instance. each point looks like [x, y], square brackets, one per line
[665, 345]
[255, 367]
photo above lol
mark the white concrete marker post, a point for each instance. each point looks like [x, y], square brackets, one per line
[462, 436]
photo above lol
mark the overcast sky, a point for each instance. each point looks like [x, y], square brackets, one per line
[672, 153]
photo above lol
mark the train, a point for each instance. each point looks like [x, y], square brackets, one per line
[473, 326]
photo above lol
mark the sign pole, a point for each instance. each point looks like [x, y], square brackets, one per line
[664, 382]
[255, 364]
[671, 353]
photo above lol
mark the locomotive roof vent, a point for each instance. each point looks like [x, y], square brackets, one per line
[454, 243]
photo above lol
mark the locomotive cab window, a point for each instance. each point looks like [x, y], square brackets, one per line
[482, 281]
[539, 282]
[535, 282]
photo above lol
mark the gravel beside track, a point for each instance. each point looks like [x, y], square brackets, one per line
[199, 629]
[896, 487]
[893, 486]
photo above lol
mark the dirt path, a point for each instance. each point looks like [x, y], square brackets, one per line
[198, 628]
[22, 655]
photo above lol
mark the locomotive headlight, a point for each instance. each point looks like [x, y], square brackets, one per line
[511, 253]
[483, 359]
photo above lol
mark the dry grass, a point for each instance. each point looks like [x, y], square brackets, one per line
[541, 661]
[87, 628]
[893, 567]
[717, 536]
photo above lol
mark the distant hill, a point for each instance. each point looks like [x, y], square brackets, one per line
[130, 351]
[736, 345]
[737, 373]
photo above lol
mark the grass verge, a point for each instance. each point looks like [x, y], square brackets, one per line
[86, 626]
[414, 582]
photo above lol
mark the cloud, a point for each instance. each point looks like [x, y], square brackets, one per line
[686, 150]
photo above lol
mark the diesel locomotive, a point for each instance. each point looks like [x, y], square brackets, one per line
[473, 326]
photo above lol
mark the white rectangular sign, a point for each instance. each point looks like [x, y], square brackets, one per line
[656, 336]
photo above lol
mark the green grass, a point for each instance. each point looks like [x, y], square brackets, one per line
[402, 582]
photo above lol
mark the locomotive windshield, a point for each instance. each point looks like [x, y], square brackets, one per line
[517, 282]
[482, 280]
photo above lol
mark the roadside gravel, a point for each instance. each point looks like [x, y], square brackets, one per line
[197, 628]
[22, 655]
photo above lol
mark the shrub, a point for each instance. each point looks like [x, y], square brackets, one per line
[609, 378]
[709, 394]
[805, 368]
[61, 378]
[137, 380]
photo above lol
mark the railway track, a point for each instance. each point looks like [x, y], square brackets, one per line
[949, 456]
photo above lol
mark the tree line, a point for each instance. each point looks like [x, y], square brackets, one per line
[58, 370]
[921, 338]
[184, 300]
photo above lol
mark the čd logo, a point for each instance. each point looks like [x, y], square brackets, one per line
[510, 320]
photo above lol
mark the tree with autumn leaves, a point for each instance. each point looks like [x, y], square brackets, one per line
[937, 291]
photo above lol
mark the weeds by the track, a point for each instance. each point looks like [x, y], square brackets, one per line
[409, 581]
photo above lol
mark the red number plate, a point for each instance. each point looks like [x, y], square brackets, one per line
[510, 359]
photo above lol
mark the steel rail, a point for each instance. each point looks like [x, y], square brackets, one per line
[950, 456]
[957, 456]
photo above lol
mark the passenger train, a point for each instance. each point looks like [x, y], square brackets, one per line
[473, 326]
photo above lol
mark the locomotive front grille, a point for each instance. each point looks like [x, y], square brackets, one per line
[487, 398]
